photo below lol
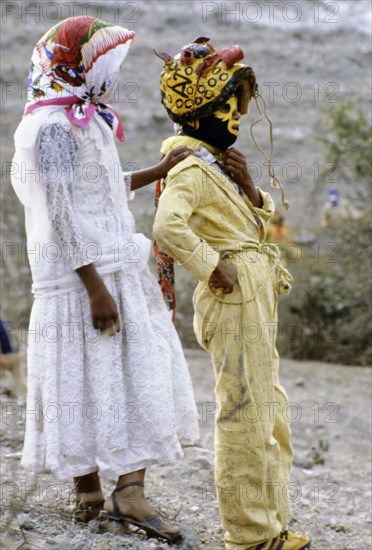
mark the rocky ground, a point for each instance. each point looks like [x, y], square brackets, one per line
[330, 410]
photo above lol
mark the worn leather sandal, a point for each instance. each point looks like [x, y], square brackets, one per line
[151, 525]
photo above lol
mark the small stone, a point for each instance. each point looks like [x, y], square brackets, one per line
[114, 527]
[60, 542]
[340, 529]
[304, 463]
[194, 509]
[202, 463]
[190, 539]
[28, 525]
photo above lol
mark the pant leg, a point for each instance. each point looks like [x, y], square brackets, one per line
[282, 434]
[252, 439]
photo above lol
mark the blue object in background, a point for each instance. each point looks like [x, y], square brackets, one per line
[5, 342]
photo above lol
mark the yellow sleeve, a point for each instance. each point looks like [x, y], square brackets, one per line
[266, 211]
[180, 199]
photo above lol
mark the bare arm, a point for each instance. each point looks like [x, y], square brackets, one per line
[141, 178]
[104, 312]
[224, 276]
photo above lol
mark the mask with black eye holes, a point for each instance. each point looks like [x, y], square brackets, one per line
[220, 129]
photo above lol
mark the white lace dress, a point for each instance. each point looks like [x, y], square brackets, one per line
[116, 404]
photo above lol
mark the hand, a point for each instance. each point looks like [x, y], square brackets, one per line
[236, 165]
[104, 312]
[140, 178]
[172, 158]
[224, 276]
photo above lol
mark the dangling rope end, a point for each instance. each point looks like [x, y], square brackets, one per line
[274, 182]
[269, 158]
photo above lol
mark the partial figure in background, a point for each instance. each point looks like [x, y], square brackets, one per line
[106, 345]
[278, 231]
[337, 211]
[6, 345]
[12, 362]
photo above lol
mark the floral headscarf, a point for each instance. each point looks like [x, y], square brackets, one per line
[76, 64]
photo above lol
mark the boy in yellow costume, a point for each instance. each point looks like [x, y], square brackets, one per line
[212, 219]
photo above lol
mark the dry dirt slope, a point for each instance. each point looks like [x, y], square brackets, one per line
[331, 428]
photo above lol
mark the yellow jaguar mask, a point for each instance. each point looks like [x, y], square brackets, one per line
[196, 82]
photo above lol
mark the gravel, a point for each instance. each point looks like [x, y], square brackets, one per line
[330, 411]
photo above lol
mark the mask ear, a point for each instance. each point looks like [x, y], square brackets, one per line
[163, 55]
[201, 40]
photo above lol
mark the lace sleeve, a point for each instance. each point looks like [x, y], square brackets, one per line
[127, 176]
[57, 151]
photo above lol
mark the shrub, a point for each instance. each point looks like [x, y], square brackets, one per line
[328, 315]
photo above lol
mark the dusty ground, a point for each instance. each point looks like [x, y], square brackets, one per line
[330, 407]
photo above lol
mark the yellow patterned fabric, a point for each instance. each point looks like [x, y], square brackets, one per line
[199, 80]
[190, 142]
[201, 217]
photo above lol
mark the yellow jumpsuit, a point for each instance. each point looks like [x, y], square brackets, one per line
[200, 218]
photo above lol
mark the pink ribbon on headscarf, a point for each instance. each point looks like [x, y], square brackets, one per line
[84, 121]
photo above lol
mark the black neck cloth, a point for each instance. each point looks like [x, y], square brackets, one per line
[212, 130]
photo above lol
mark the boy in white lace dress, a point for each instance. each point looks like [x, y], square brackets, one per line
[107, 378]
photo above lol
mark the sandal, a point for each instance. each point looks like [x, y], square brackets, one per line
[84, 514]
[151, 525]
